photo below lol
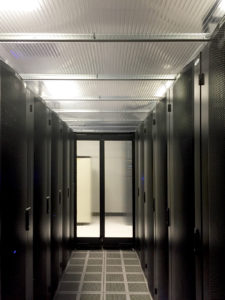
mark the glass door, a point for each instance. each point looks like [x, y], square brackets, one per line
[104, 189]
[118, 189]
[88, 187]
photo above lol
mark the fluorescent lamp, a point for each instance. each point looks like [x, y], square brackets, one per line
[62, 89]
[19, 5]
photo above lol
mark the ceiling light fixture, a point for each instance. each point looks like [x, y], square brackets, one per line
[19, 5]
[62, 89]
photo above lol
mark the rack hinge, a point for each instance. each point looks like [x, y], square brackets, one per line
[154, 121]
[144, 198]
[169, 107]
[201, 79]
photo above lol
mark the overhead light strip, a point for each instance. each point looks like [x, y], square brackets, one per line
[94, 77]
[106, 99]
[97, 111]
[60, 37]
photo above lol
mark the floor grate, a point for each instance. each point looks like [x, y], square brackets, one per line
[103, 275]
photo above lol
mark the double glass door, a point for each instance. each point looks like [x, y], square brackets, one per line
[104, 197]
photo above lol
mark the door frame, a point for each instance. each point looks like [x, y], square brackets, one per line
[102, 241]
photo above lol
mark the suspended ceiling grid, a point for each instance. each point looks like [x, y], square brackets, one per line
[103, 65]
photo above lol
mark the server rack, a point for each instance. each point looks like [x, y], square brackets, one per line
[66, 195]
[42, 201]
[148, 206]
[72, 187]
[140, 204]
[216, 166]
[56, 200]
[181, 181]
[160, 202]
[16, 186]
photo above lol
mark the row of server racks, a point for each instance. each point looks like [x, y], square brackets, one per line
[180, 183]
[37, 193]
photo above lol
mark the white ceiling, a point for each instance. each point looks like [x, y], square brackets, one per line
[116, 103]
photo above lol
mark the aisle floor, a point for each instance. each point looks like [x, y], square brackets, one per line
[103, 275]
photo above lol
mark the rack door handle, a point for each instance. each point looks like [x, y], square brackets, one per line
[27, 218]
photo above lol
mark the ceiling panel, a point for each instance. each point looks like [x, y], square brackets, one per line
[98, 89]
[102, 105]
[106, 17]
[114, 59]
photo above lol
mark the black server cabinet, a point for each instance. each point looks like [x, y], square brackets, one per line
[160, 201]
[148, 205]
[140, 208]
[216, 167]
[42, 200]
[136, 192]
[56, 200]
[72, 187]
[66, 195]
[181, 194]
[16, 187]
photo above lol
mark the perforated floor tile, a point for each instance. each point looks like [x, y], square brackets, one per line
[94, 269]
[103, 275]
[90, 297]
[65, 297]
[71, 277]
[137, 287]
[133, 269]
[91, 287]
[116, 297]
[113, 261]
[93, 277]
[69, 286]
[74, 261]
[140, 297]
[114, 269]
[114, 277]
[74, 269]
[95, 262]
[115, 287]
[135, 277]
[131, 262]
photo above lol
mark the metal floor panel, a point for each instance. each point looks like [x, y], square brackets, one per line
[118, 277]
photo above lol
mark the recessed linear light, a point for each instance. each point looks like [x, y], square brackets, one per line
[19, 5]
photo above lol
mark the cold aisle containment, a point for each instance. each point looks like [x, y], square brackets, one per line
[137, 90]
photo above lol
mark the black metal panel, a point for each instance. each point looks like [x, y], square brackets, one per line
[182, 269]
[16, 229]
[140, 204]
[56, 201]
[66, 195]
[30, 192]
[160, 202]
[42, 200]
[216, 166]
[72, 185]
[148, 210]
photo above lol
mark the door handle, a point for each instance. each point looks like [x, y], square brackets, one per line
[47, 204]
[27, 218]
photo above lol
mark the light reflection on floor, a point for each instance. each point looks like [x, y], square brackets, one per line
[114, 227]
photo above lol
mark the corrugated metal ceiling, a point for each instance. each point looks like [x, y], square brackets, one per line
[99, 59]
